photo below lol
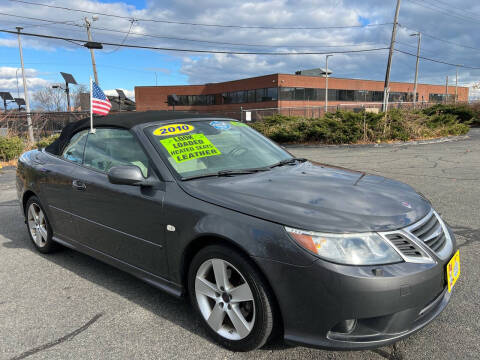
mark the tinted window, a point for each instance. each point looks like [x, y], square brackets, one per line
[205, 147]
[114, 147]
[75, 148]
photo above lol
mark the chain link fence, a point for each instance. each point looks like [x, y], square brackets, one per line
[314, 112]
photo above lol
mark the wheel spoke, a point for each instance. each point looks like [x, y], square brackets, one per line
[41, 217]
[35, 212]
[238, 321]
[43, 232]
[31, 212]
[220, 271]
[205, 287]
[215, 320]
[241, 293]
[36, 237]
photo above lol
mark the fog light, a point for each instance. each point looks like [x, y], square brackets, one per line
[345, 326]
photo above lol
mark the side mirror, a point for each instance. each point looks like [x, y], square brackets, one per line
[126, 175]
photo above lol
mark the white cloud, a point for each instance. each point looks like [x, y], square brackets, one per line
[10, 77]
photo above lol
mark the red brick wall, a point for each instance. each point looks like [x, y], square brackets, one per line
[155, 97]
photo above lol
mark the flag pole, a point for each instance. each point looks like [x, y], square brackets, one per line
[92, 130]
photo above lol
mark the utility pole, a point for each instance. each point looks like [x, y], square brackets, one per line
[88, 24]
[386, 89]
[419, 35]
[456, 84]
[446, 91]
[25, 90]
[326, 82]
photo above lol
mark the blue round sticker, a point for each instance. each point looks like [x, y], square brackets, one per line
[220, 125]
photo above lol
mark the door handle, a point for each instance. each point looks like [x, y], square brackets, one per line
[79, 185]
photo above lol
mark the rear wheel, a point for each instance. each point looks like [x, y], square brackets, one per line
[38, 226]
[231, 298]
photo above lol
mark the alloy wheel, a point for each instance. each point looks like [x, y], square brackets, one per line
[225, 299]
[37, 225]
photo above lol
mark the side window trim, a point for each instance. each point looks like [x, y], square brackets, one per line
[61, 156]
[149, 166]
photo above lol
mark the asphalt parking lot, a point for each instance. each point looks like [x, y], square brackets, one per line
[69, 306]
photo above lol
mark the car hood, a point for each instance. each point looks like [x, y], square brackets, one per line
[317, 197]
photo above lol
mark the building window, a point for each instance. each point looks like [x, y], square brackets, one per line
[189, 100]
[287, 93]
[272, 94]
[440, 97]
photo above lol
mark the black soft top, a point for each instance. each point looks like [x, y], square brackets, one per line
[125, 120]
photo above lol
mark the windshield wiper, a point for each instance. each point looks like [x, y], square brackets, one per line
[288, 162]
[229, 173]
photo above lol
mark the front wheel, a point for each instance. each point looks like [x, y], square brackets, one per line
[231, 298]
[38, 226]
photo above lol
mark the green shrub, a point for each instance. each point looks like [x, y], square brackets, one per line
[464, 113]
[10, 148]
[343, 127]
[44, 142]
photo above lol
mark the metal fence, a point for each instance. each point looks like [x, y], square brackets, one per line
[43, 123]
[313, 112]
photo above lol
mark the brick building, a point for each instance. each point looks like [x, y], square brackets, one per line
[285, 90]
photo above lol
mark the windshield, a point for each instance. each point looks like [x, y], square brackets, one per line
[207, 147]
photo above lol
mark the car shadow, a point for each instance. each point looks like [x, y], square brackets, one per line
[175, 310]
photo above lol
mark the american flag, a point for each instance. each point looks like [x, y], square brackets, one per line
[100, 104]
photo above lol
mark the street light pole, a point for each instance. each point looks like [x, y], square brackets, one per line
[25, 90]
[386, 89]
[88, 24]
[446, 91]
[326, 82]
[419, 35]
[456, 84]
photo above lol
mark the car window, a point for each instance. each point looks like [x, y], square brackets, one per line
[206, 147]
[76, 146]
[114, 147]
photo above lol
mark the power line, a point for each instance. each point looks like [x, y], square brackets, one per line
[200, 51]
[124, 38]
[448, 12]
[156, 36]
[439, 39]
[438, 61]
[202, 24]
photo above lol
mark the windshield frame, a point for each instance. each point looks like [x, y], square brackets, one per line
[146, 132]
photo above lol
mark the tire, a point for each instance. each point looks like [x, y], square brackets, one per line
[38, 226]
[244, 301]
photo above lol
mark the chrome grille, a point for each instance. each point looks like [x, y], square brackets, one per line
[405, 246]
[413, 241]
[430, 231]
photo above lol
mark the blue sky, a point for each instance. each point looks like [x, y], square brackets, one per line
[455, 41]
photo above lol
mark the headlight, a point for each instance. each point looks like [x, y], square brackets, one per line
[351, 249]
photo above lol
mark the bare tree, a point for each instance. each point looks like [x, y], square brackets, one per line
[75, 94]
[50, 99]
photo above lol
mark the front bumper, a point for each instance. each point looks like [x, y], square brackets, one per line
[383, 303]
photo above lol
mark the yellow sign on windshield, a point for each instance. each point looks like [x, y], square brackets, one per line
[188, 147]
[173, 129]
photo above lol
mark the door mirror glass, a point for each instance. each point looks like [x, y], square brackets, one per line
[126, 175]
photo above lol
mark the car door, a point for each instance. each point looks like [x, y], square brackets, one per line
[56, 184]
[122, 221]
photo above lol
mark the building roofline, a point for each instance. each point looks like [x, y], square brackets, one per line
[396, 82]
[294, 75]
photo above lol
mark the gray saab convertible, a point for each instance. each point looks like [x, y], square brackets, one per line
[262, 243]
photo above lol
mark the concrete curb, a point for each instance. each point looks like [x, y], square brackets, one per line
[397, 143]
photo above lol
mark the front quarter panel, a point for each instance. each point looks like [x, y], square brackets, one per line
[197, 220]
